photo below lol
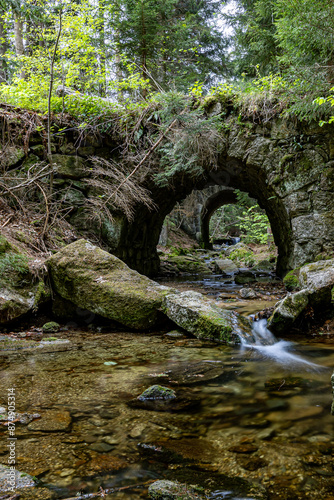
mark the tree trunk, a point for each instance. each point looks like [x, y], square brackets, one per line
[102, 46]
[3, 47]
[143, 48]
[18, 32]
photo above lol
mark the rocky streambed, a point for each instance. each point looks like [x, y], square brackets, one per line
[100, 405]
[242, 424]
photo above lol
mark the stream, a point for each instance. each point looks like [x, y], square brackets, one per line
[256, 421]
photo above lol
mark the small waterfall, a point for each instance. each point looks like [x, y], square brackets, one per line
[261, 334]
[261, 339]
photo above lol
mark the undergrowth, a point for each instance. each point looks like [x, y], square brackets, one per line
[261, 98]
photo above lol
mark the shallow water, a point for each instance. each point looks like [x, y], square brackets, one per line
[258, 413]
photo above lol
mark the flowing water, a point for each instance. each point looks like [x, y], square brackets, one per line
[255, 413]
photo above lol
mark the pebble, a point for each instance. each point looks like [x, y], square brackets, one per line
[67, 472]
[111, 440]
[243, 448]
[100, 447]
[52, 421]
[90, 439]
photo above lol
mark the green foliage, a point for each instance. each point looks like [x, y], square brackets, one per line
[193, 139]
[243, 255]
[255, 47]
[176, 251]
[255, 225]
[245, 216]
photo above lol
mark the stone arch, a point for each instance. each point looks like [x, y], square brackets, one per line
[294, 185]
[138, 239]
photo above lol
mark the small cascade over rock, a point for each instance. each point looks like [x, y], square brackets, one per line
[261, 339]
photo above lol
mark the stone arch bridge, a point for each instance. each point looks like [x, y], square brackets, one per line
[194, 213]
[287, 166]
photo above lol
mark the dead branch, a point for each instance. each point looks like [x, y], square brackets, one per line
[8, 190]
[148, 154]
[46, 208]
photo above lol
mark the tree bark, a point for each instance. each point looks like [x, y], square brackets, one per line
[18, 33]
[143, 47]
[102, 46]
[3, 47]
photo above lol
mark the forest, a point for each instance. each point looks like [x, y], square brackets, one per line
[166, 249]
[123, 53]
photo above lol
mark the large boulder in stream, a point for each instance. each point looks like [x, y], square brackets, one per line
[98, 281]
[316, 281]
[199, 316]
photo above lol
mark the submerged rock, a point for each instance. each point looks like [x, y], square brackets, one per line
[159, 398]
[101, 283]
[193, 373]
[199, 316]
[157, 392]
[52, 421]
[12, 479]
[173, 490]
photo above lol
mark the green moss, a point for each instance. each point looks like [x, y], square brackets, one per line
[286, 159]
[4, 244]
[291, 281]
[13, 269]
[213, 328]
[43, 294]
[242, 255]
[51, 327]
[157, 392]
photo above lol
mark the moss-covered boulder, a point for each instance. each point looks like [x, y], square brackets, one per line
[238, 246]
[101, 283]
[287, 311]
[316, 282]
[199, 316]
[20, 291]
[189, 264]
[291, 280]
[318, 279]
[51, 327]
[70, 167]
[264, 265]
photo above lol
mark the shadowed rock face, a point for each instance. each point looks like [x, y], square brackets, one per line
[287, 166]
